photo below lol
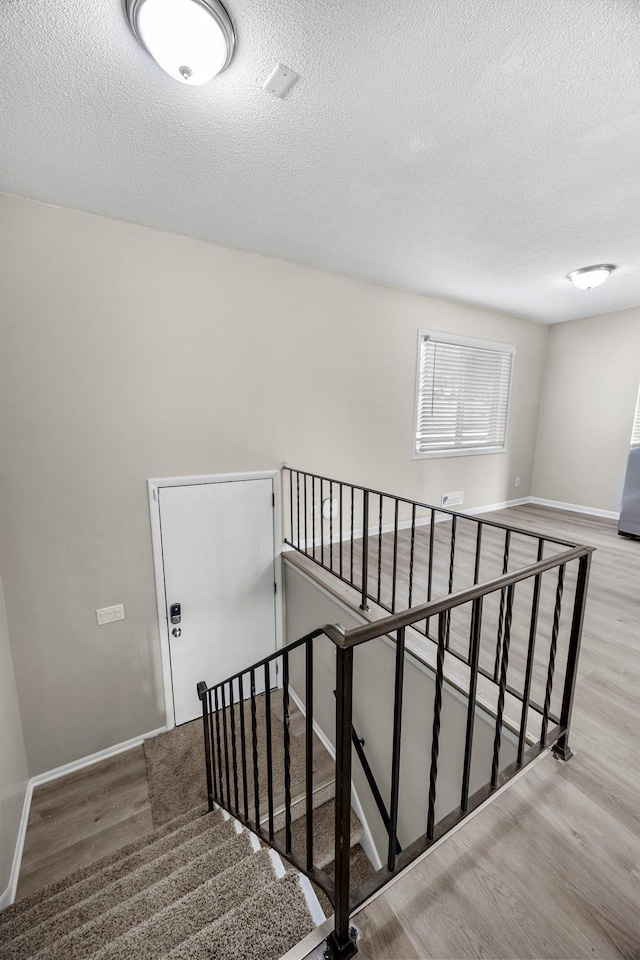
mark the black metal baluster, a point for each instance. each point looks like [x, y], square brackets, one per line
[202, 696]
[298, 506]
[351, 554]
[267, 713]
[562, 750]
[309, 749]
[432, 534]
[254, 740]
[217, 720]
[291, 507]
[528, 675]
[313, 513]
[243, 750]
[394, 575]
[287, 750]
[552, 654]
[306, 537]
[474, 659]
[412, 551]
[331, 525]
[503, 683]
[341, 530]
[321, 524]
[365, 550]
[234, 752]
[226, 744]
[505, 567]
[395, 761]
[379, 548]
[452, 557]
[217, 793]
[476, 575]
[435, 736]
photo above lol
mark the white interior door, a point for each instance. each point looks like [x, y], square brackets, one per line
[218, 559]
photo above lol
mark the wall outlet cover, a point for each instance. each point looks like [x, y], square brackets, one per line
[452, 499]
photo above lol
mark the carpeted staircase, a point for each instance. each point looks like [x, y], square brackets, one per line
[198, 887]
[194, 888]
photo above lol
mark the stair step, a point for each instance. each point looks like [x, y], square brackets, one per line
[321, 796]
[90, 938]
[185, 917]
[39, 896]
[262, 928]
[323, 834]
[87, 900]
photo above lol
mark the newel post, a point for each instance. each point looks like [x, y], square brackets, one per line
[562, 749]
[340, 944]
[203, 693]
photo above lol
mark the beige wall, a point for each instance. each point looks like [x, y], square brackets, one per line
[130, 353]
[586, 414]
[373, 689]
[13, 759]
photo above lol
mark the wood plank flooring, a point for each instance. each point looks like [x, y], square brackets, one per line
[79, 818]
[551, 868]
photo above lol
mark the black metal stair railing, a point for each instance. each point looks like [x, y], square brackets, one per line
[241, 764]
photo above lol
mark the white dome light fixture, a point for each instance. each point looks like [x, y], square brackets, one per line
[587, 277]
[192, 40]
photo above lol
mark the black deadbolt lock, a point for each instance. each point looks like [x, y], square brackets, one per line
[175, 613]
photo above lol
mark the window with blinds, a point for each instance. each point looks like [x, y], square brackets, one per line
[462, 397]
[635, 430]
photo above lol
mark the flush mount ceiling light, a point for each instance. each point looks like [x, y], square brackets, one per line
[192, 40]
[587, 277]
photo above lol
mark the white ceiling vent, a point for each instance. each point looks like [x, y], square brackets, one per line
[280, 81]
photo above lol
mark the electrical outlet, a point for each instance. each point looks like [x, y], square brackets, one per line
[453, 499]
[110, 614]
[517, 481]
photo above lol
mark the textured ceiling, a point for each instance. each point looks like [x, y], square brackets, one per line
[476, 150]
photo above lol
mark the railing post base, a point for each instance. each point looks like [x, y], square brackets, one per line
[561, 750]
[344, 950]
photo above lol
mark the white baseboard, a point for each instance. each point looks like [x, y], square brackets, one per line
[9, 895]
[575, 508]
[489, 507]
[93, 758]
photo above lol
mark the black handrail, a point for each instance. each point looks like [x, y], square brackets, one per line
[225, 770]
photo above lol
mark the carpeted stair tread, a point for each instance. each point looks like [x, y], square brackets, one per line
[263, 928]
[298, 810]
[183, 919]
[38, 896]
[144, 908]
[65, 911]
[323, 834]
[360, 869]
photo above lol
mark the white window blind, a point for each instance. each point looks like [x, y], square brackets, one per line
[462, 395]
[635, 431]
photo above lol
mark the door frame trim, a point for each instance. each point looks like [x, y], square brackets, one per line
[153, 486]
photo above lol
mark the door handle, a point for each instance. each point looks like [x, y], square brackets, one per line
[176, 632]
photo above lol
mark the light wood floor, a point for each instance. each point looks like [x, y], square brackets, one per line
[551, 868]
[79, 818]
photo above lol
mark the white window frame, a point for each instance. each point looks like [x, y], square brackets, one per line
[440, 337]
